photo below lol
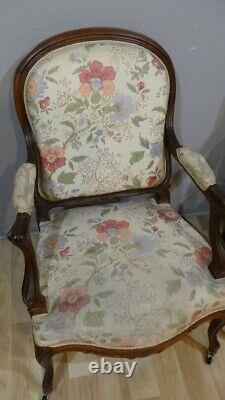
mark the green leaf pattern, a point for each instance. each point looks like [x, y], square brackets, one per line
[112, 118]
[120, 274]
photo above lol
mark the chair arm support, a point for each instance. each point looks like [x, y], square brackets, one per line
[19, 235]
[216, 196]
[205, 179]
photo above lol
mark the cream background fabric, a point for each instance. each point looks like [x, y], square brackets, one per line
[97, 110]
[123, 275]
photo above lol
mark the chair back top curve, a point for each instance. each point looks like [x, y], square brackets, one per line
[93, 105]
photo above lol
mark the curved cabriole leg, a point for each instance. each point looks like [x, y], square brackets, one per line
[214, 345]
[44, 357]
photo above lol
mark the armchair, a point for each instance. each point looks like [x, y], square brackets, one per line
[112, 275]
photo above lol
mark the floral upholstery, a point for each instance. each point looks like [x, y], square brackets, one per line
[23, 193]
[97, 110]
[197, 166]
[122, 275]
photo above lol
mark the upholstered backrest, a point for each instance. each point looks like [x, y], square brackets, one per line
[97, 110]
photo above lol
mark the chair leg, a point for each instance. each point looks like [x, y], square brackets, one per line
[44, 357]
[214, 345]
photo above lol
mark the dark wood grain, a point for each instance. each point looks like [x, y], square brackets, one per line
[214, 327]
[19, 235]
[44, 357]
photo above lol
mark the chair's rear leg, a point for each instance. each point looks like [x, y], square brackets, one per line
[44, 357]
[163, 195]
[214, 345]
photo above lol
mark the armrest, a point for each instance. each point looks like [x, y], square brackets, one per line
[192, 162]
[202, 174]
[197, 167]
[23, 193]
[19, 235]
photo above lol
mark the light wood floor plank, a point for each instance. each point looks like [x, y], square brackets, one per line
[26, 374]
[5, 317]
[143, 384]
[170, 379]
[196, 374]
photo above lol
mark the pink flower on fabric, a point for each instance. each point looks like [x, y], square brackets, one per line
[97, 78]
[203, 255]
[151, 180]
[111, 227]
[52, 158]
[140, 85]
[73, 300]
[64, 252]
[168, 215]
[125, 177]
[44, 103]
[158, 64]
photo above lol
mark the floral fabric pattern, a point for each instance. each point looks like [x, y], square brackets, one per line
[97, 78]
[197, 166]
[122, 275]
[97, 110]
[23, 193]
[52, 158]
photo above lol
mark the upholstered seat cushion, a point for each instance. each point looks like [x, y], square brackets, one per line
[123, 275]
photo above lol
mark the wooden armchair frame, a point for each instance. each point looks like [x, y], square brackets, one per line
[19, 234]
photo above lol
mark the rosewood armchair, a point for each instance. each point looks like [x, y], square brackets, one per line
[112, 274]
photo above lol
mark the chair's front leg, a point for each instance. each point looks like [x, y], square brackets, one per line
[20, 237]
[214, 345]
[44, 357]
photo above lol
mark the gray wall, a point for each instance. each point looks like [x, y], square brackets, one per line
[193, 33]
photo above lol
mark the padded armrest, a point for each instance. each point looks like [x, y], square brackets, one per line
[202, 174]
[23, 193]
[197, 167]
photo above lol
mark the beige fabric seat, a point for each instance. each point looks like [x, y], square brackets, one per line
[123, 275]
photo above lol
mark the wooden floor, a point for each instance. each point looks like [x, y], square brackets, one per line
[178, 373]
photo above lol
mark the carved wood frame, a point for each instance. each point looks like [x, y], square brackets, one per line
[19, 234]
[42, 204]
